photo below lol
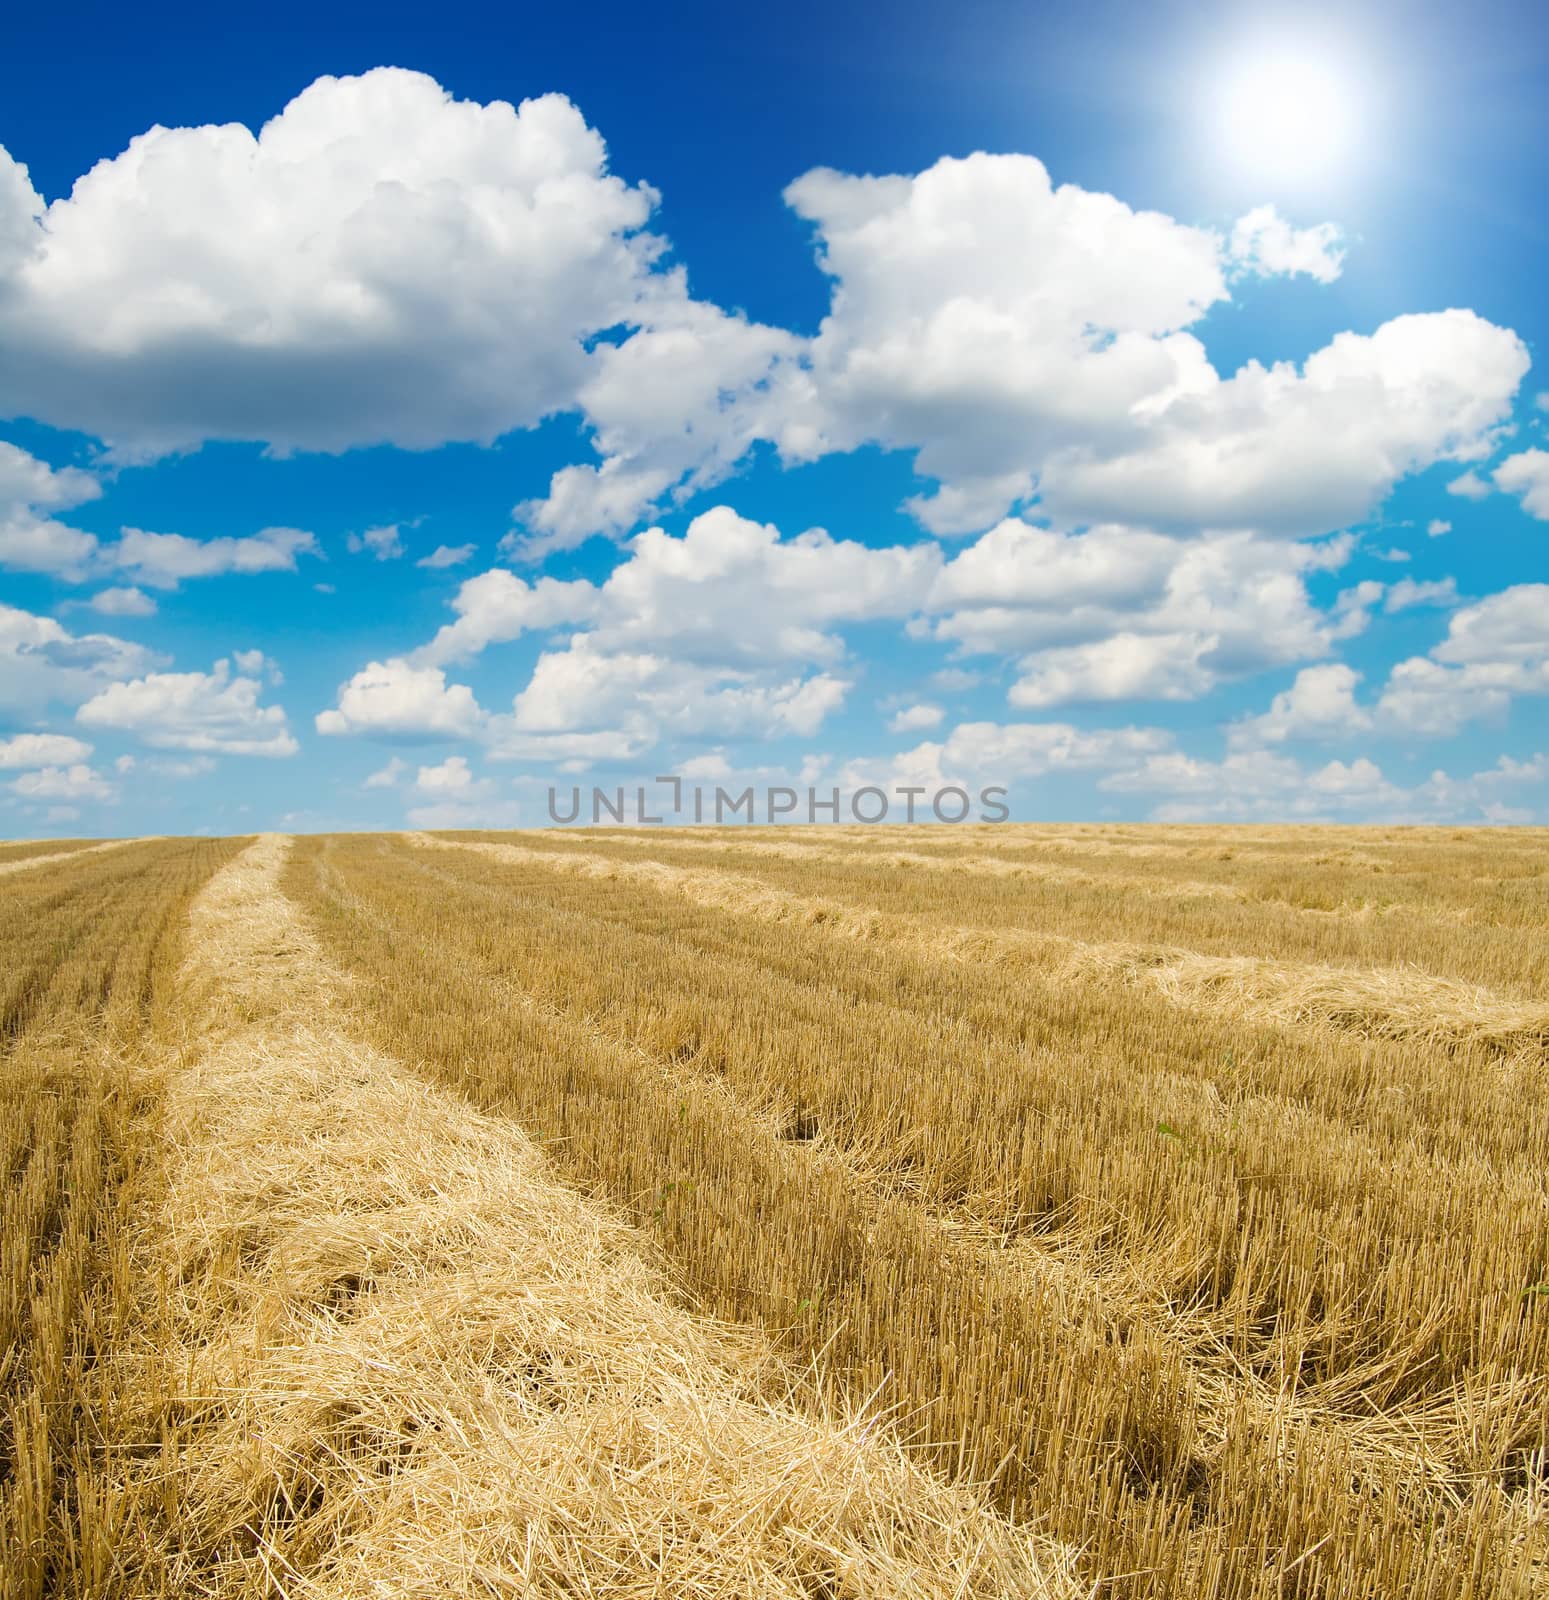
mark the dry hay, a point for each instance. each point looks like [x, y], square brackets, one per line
[1378, 1002]
[889, 858]
[26, 862]
[409, 1361]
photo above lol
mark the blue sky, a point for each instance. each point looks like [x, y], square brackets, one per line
[396, 420]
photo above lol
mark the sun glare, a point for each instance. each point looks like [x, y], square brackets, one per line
[1286, 117]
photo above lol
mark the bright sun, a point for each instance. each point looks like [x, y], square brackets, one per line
[1286, 117]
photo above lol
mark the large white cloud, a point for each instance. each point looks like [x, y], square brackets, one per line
[986, 319]
[731, 629]
[732, 590]
[713, 632]
[497, 606]
[1019, 336]
[380, 263]
[1125, 666]
[1022, 340]
[204, 711]
[1509, 628]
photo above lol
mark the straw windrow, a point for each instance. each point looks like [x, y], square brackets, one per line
[1380, 1003]
[23, 863]
[404, 1358]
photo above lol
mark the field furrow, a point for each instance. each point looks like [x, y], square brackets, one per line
[87, 949]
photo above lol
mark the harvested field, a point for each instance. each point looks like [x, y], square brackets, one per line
[18, 857]
[846, 1212]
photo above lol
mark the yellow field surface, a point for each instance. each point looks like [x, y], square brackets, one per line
[996, 1210]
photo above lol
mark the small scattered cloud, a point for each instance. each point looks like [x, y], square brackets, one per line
[1526, 475]
[42, 750]
[710, 766]
[451, 796]
[1469, 487]
[446, 555]
[388, 777]
[1268, 784]
[123, 602]
[75, 782]
[255, 664]
[383, 543]
[164, 560]
[915, 718]
[1263, 242]
[189, 767]
[1408, 593]
[1438, 526]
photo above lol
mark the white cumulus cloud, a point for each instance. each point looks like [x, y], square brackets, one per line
[122, 602]
[164, 560]
[915, 718]
[1264, 242]
[1495, 649]
[77, 782]
[384, 543]
[201, 711]
[1526, 475]
[1120, 612]
[42, 750]
[1320, 704]
[446, 555]
[380, 263]
[41, 661]
[394, 699]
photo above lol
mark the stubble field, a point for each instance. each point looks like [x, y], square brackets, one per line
[983, 1211]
